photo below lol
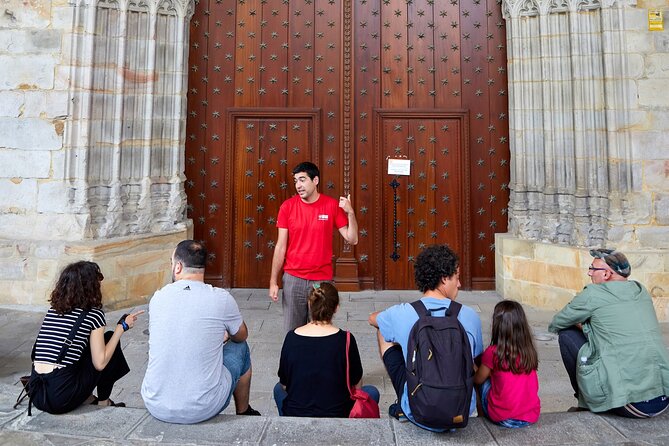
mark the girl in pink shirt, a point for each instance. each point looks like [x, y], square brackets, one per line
[508, 371]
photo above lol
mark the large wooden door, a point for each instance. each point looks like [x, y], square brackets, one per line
[362, 80]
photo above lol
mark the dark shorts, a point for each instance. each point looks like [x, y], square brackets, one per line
[393, 359]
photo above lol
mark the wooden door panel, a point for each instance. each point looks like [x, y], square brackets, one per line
[430, 205]
[265, 148]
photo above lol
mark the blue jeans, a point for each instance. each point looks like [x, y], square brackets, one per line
[280, 394]
[237, 359]
[510, 423]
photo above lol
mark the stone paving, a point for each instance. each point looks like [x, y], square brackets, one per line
[133, 425]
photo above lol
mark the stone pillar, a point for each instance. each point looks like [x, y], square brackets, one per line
[589, 139]
[92, 143]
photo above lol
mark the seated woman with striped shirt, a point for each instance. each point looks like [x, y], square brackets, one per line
[72, 354]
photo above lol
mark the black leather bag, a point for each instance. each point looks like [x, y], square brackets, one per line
[24, 390]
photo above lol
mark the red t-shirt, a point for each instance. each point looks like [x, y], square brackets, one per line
[310, 229]
[511, 396]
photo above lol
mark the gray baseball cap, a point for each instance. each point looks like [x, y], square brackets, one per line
[616, 260]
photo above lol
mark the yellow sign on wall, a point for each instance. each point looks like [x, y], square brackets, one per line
[655, 21]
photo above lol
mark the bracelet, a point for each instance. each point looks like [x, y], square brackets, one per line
[123, 323]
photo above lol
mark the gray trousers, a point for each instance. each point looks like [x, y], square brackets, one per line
[294, 303]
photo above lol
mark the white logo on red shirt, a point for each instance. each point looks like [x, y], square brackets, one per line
[323, 217]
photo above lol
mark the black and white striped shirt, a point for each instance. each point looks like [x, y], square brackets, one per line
[55, 330]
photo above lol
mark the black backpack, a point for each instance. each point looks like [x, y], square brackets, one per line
[440, 372]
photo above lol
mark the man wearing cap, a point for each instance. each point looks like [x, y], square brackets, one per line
[611, 343]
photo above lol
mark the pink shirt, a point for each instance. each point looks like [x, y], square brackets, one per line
[511, 396]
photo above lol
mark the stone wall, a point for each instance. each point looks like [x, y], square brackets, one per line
[649, 126]
[134, 267]
[92, 132]
[548, 275]
[33, 111]
[589, 126]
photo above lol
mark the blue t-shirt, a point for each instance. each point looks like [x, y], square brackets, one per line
[395, 324]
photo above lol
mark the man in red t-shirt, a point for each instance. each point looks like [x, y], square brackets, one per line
[303, 248]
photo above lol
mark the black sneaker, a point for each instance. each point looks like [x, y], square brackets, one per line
[250, 411]
[395, 411]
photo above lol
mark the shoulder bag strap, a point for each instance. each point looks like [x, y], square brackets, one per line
[70, 337]
[348, 378]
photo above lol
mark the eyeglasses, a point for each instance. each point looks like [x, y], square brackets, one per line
[592, 268]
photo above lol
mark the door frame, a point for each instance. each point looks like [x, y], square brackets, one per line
[232, 114]
[463, 200]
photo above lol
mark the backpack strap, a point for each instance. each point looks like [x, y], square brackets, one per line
[420, 308]
[454, 309]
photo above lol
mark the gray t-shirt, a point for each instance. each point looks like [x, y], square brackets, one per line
[185, 380]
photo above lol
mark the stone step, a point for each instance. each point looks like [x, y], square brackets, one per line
[135, 426]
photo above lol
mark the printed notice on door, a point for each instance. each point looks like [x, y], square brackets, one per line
[399, 166]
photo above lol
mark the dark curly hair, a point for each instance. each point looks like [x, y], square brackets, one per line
[323, 301]
[432, 264]
[78, 287]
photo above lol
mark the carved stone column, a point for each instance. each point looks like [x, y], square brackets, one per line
[576, 172]
[126, 137]
[560, 189]
[114, 193]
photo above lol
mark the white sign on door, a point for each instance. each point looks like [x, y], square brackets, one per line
[399, 166]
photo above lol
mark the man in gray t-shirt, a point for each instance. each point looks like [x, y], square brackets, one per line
[198, 355]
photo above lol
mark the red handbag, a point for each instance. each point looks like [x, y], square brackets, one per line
[364, 406]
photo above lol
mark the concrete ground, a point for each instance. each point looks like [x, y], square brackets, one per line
[133, 425]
